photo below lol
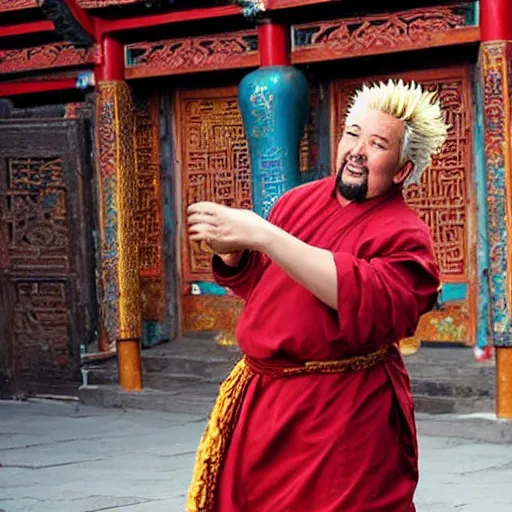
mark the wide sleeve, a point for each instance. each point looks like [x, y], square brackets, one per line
[381, 297]
[242, 279]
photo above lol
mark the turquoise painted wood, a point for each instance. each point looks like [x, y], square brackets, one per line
[480, 178]
[453, 292]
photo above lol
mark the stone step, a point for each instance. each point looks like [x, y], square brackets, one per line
[198, 345]
[448, 370]
[163, 374]
[451, 405]
[184, 402]
[197, 400]
[98, 376]
[462, 388]
[480, 427]
[178, 381]
[211, 368]
[190, 370]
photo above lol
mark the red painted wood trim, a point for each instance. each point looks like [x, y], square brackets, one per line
[22, 29]
[122, 25]
[32, 87]
[274, 44]
[496, 20]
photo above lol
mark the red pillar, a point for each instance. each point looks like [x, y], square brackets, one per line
[495, 20]
[112, 60]
[495, 56]
[274, 44]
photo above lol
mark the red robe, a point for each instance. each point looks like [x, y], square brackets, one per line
[330, 442]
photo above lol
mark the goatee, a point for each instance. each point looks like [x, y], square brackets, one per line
[355, 192]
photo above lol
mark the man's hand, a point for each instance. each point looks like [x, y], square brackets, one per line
[226, 230]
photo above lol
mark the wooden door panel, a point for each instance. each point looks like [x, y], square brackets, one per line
[47, 263]
[214, 167]
[215, 162]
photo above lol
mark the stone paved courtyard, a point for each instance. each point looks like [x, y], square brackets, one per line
[66, 457]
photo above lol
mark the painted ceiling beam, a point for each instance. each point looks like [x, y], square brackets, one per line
[9, 89]
[153, 20]
[22, 29]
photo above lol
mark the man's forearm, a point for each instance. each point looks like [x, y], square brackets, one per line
[310, 266]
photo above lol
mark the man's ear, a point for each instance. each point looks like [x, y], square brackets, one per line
[403, 173]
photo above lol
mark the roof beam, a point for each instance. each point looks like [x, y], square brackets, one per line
[9, 89]
[21, 29]
[152, 20]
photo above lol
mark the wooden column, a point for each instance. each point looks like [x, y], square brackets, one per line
[274, 44]
[121, 325]
[495, 68]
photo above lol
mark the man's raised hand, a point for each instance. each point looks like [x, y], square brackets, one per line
[226, 230]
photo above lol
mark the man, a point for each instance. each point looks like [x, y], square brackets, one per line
[318, 416]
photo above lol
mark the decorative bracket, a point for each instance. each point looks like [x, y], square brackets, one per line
[252, 9]
[66, 25]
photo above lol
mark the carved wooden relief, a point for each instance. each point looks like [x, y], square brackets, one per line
[48, 56]
[308, 149]
[441, 198]
[192, 54]
[496, 70]
[387, 32]
[36, 214]
[215, 161]
[148, 215]
[41, 313]
[48, 289]
[15, 5]
[347, 37]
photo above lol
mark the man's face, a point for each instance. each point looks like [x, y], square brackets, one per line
[369, 155]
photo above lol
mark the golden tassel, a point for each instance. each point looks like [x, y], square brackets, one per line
[213, 445]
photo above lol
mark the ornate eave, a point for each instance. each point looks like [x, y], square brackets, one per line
[71, 40]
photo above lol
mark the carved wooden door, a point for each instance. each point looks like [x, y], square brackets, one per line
[214, 164]
[444, 199]
[46, 262]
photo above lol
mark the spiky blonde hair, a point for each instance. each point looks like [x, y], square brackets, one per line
[425, 127]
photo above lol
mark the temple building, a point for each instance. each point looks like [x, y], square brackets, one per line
[115, 115]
